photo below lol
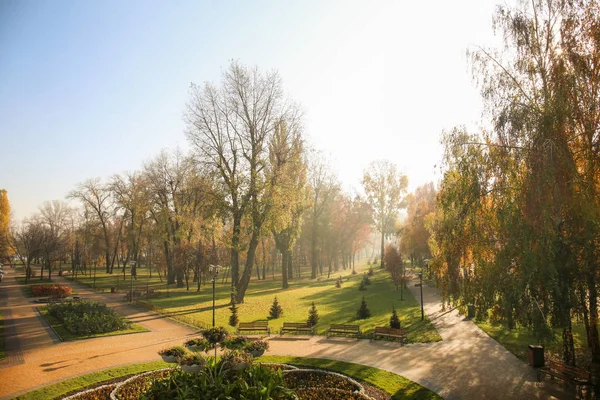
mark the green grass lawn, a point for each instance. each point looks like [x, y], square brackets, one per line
[517, 340]
[396, 385]
[2, 351]
[334, 305]
[65, 335]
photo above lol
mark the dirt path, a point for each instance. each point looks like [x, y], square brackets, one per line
[467, 364]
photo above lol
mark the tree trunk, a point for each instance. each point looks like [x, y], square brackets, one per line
[289, 265]
[314, 252]
[235, 255]
[250, 257]
[284, 270]
[382, 248]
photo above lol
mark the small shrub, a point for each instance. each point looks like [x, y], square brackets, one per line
[394, 320]
[369, 261]
[313, 315]
[338, 282]
[376, 261]
[362, 286]
[363, 311]
[233, 318]
[354, 272]
[276, 310]
[371, 272]
[234, 357]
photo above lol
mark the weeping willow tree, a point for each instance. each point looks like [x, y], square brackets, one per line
[517, 230]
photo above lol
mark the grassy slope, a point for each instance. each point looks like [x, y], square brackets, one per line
[517, 340]
[400, 387]
[65, 335]
[334, 305]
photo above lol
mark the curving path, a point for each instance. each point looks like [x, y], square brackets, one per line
[467, 364]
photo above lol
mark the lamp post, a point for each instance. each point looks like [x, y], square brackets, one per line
[95, 264]
[132, 265]
[421, 284]
[214, 271]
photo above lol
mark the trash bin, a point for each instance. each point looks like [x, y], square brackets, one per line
[471, 311]
[536, 356]
[113, 289]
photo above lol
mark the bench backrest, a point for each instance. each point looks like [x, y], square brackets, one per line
[255, 324]
[567, 369]
[391, 331]
[296, 325]
[345, 327]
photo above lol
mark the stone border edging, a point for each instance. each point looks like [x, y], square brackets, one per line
[76, 395]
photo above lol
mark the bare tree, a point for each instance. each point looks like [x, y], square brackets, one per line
[230, 128]
[93, 194]
[26, 241]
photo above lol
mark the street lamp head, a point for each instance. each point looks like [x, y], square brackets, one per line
[214, 270]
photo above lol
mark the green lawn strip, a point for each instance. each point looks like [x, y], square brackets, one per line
[396, 385]
[65, 335]
[2, 352]
[518, 339]
[93, 379]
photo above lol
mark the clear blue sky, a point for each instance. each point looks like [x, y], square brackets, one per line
[93, 88]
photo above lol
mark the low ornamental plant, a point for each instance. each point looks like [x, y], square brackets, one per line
[366, 279]
[85, 317]
[362, 286]
[338, 282]
[215, 335]
[198, 344]
[313, 315]
[234, 343]
[276, 310]
[175, 351]
[192, 359]
[394, 320]
[363, 311]
[257, 345]
[51, 290]
[236, 357]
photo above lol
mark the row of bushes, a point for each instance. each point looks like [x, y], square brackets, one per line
[51, 290]
[86, 317]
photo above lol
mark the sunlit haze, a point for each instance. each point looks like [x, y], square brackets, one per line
[90, 89]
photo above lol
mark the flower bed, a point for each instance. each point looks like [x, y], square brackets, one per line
[86, 317]
[314, 378]
[132, 388]
[51, 290]
[329, 394]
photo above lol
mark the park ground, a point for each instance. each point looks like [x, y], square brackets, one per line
[466, 364]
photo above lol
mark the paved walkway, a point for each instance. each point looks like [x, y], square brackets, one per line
[467, 364]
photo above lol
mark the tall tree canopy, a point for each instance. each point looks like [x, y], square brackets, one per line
[385, 187]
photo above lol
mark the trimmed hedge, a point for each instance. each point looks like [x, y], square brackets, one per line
[51, 290]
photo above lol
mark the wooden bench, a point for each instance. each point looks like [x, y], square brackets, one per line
[391, 333]
[297, 327]
[256, 326]
[573, 375]
[344, 329]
